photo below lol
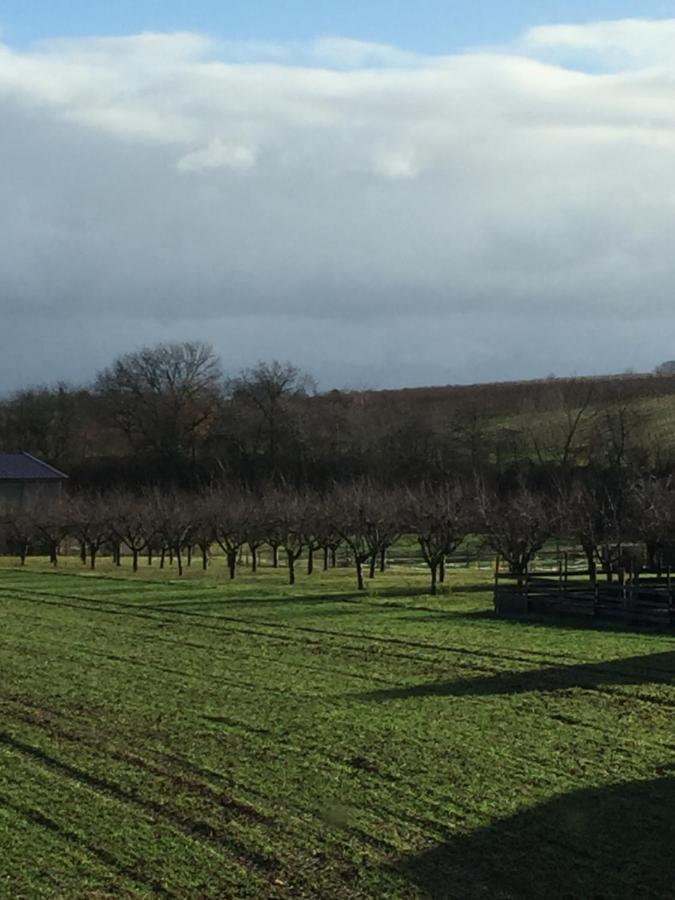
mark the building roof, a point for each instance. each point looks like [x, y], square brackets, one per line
[24, 467]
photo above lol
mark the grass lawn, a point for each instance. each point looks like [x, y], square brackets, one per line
[209, 739]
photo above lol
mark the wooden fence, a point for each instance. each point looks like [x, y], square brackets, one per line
[645, 598]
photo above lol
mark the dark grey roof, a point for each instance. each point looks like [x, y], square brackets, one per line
[24, 467]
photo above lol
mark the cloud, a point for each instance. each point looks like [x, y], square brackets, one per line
[350, 54]
[355, 207]
[219, 155]
[623, 42]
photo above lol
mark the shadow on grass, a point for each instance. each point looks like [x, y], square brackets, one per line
[292, 598]
[577, 623]
[655, 668]
[613, 842]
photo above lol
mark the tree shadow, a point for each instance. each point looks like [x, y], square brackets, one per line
[611, 842]
[451, 588]
[551, 620]
[654, 668]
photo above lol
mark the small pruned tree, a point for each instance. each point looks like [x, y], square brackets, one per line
[353, 513]
[52, 523]
[173, 515]
[289, 525]
[515, 525]
[597, 515]
[438, 517]
[229, 518]
[131, 523]
[19, 527]
[90, 523]
[652, 503]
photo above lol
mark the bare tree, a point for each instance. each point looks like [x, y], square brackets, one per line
[352, 508]
[163, 397]
[52, 524]
[131, 524]
[173, 517]
[202, 527]
[89, 521]
[515, 526]
[561, 433]
[266, 389]
[653, 516]
[229, 524]
[597, 515]
[438, 516]
[385, 515]
[289, 527]
[20, 528]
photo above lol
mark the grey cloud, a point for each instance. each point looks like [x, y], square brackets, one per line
[478, 216]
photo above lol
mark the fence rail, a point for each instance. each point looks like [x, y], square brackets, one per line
[646, 598]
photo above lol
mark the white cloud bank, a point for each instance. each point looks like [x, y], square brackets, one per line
[371, 214]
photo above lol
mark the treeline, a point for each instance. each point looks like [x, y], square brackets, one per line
[169, 416]
[628, 525]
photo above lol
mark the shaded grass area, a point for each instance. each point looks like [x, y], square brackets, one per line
[211, 739]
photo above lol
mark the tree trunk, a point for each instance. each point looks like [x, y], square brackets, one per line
[254, 558]
[310, 561]
[149, 556]
[179, 561]
[371, 568]
[54, 553]
[333, 557]
[232, 562]
[291, 567]
[23, 553]
[434, 568]
[325, 559]
[275, 556]
[359, 574]
[134, 554]
[162, 558]
[189, 555]
[383, 559]
[83, 553]
[93, 550]
[205, 555]
[441, 570]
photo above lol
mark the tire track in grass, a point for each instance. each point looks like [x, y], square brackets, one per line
[364, 836]
[429, 827]
[131, 610]
[155, 639]
[500, 653]
[78, 840]
[233, 804]
[446, 649]
[300, 642]
[378, 640]
[194, 829]
[439, 832]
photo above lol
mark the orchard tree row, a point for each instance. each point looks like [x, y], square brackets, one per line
[625, 525]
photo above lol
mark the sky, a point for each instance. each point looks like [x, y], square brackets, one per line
[385, 194]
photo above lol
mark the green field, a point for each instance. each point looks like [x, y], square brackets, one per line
[204, 739]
